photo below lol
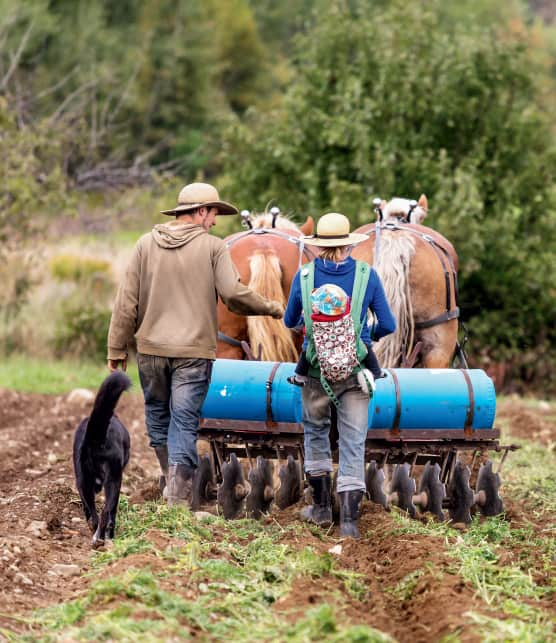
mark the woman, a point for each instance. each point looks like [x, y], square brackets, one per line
[335, 266]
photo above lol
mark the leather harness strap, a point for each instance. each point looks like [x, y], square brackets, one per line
[275, 232]
[468, 428]
[269, 419]
[395, 428]
[309, 255]
[447, 266]
[446, 316]
[229, 340]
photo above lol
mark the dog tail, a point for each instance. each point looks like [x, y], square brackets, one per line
[105, 403]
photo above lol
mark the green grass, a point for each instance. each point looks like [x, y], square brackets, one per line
[29, 375]
[219, 581]
[481, 556]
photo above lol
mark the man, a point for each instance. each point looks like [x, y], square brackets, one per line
[167, 300]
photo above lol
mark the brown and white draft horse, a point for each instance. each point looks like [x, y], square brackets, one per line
[267, 256]
[418, 268]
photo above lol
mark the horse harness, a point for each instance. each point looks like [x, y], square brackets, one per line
[447, 266]
[259, 231]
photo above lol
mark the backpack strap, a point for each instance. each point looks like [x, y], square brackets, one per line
[361, 281]
[307, 279]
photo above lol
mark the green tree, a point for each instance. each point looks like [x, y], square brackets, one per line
[397, 99]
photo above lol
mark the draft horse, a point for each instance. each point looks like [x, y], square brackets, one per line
[418, 268]
[267, 255]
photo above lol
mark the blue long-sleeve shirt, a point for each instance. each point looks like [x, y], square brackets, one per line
[343, 275]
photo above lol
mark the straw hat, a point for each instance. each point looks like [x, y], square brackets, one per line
[196, 195]
[333, 231]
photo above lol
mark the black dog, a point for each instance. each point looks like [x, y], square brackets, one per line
[100, 454]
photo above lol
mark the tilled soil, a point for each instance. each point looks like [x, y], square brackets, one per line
[45, 547]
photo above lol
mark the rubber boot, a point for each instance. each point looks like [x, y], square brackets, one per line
[180, 484]
[162, 455]
[349, 512]
[320, 512]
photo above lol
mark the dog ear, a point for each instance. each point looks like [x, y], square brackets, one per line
[423, 202]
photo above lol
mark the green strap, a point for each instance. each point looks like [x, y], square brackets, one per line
[362, 274]
[307, 278]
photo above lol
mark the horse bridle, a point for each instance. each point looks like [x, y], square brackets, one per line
[303, 251]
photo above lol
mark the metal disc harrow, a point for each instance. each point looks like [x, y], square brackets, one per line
[448, 467]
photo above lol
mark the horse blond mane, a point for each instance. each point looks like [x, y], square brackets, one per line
[275, 339]
[264, 220]
[393, 262]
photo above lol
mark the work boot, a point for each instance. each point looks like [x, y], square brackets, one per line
[162, 455]
[180, 484]
[349, 512]
[320, 512]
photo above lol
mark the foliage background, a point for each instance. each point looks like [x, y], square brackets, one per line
[107, 108]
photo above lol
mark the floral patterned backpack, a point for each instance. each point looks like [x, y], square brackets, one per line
[334, 349]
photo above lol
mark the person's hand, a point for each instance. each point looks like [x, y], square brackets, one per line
[114, 364]
[276, 310]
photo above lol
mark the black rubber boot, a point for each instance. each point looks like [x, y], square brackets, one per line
[349, 512]
[162, 455]
[320, 512]
[180, 484]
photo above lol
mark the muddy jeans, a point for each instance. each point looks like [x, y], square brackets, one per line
[353, 416]
[174, 389]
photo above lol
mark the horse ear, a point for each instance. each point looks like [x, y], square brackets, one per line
[308, 227]
[423, 202]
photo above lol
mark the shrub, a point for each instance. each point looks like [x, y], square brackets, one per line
[82, 330]
[79, 269]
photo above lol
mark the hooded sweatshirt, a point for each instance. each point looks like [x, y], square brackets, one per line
[167, 299]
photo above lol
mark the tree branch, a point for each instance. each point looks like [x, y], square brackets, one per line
[15, 58]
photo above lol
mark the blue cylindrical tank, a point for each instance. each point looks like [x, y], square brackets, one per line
[433, 398]
[428, 398]
[238, 391]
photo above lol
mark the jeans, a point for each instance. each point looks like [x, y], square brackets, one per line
[174, 389]
[353, 419]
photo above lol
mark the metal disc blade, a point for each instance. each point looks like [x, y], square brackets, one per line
[404, 486]
[289, 491]
[374, 480]
[203, 483]
[261, 493]
[435, 490]
[230, 498]
[461, 494]
[489, 482]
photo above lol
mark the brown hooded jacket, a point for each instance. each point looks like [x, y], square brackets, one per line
[168, 297]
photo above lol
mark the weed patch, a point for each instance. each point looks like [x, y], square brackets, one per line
[218, 580]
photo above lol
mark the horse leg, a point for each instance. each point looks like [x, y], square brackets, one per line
[439, 344]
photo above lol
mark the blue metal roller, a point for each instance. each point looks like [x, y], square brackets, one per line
[241, 390]
[406, 398]
[433, 398]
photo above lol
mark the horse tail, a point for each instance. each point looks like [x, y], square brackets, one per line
[393, 266]
[275, 339]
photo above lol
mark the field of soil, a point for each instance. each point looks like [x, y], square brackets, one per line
[45, 548]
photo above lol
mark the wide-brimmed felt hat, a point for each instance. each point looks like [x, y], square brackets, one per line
[197, 195]
[332, 231]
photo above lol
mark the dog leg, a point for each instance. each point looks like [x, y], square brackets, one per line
[87, 494]
[107, 523]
